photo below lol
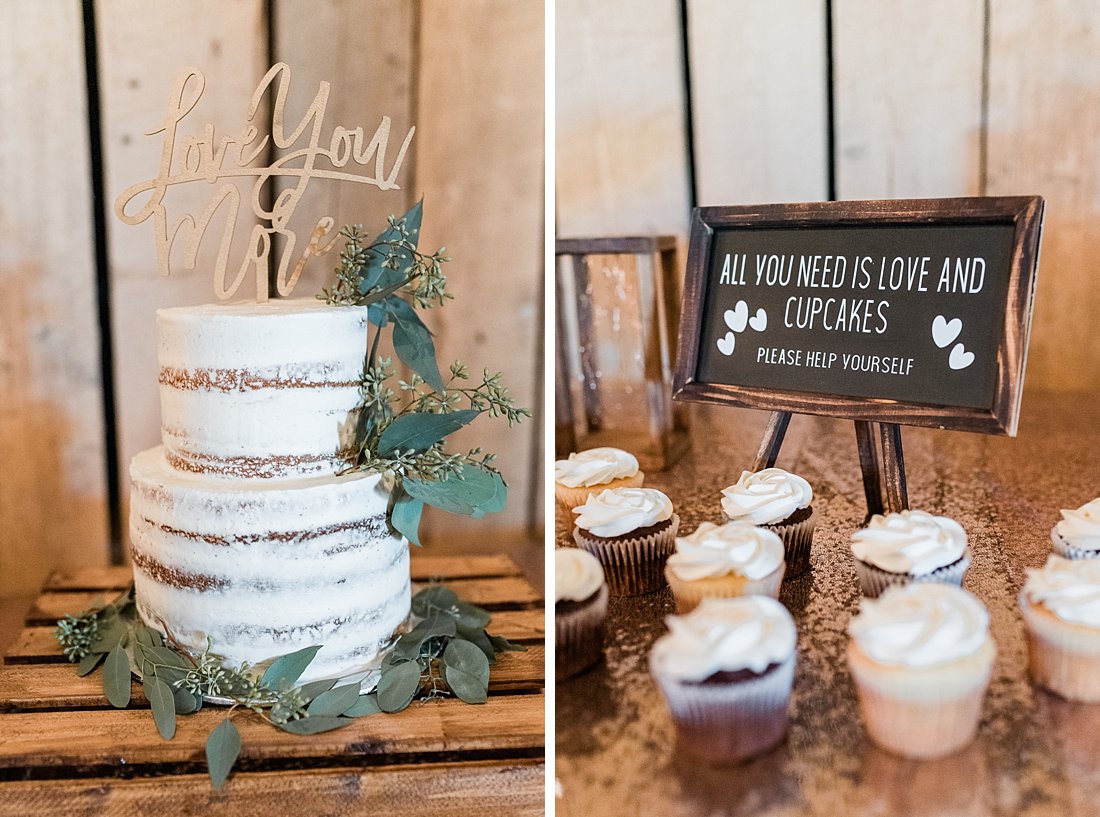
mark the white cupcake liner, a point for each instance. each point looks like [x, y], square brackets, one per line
[1063, 656]
[632, 566]
[689, 594]
[797, 539]
[1063, 548]
[569, 498]
[578, 636]
[922, 712]
[874, 580]
[730, 722]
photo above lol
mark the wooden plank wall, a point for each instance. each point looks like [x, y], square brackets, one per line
[938, 98]
[467, 74]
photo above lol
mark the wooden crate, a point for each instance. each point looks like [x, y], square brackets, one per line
[64, 749]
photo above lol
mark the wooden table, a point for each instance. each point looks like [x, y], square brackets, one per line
[1035, 754]
[65, 750]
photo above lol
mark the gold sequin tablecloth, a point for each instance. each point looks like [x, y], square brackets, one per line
[1035, 754]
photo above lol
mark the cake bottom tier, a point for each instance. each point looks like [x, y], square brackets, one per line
[260, 568]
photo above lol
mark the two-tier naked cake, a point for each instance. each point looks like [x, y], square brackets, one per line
[242, 532]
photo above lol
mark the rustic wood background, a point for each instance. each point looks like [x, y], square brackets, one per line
[665, 104]
[468, 74]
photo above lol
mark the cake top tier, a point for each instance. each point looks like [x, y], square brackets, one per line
[259, 390]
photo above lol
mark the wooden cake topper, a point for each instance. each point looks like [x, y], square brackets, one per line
[204, 158]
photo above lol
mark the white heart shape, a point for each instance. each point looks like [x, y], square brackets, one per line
[737, 317]
[960, 358]
[726, 344]
[944, 331]
[759, 321]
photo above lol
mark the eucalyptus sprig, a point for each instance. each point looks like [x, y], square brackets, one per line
[399, 426]
[438, 655]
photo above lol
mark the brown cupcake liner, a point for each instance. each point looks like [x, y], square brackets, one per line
[570, 498]
[923, 713]
[1063, 548]
[689, 594]
[578, 636]
[730, 722]
[797, 539]
[632, 567]
[1063, 656]
[874, 580]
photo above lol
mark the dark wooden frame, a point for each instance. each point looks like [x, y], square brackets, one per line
[1025, 213]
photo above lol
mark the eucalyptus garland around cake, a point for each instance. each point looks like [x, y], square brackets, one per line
[398, 430]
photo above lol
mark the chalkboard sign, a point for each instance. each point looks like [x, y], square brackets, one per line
[915, 312]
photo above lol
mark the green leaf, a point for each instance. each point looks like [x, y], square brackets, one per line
[147, 636]
[315, 688]
[466, 670]
[154, 659]
[312, 724]
[434, 597]
[405, 517]
[170, 675]
[116, 677]
[222, 748]
[436, 626]
[289, 668]
[89, 662]
[470, 615]
[412, 341]
[502, 644]
[373, 274]
[365, 705]
[186, 702]
[417, 431]
[398, 685]
[335, 701]
[480, 639]
[477, 493]
[163, 704]
[110, 632]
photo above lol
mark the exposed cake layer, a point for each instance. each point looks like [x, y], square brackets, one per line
[264, 568]
[258, 390]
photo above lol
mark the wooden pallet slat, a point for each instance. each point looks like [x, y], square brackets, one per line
[516, 786]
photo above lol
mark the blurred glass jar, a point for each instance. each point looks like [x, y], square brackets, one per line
[618, 305]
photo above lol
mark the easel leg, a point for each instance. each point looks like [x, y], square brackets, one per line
[773, 440]
[893, 467]
[869, 465]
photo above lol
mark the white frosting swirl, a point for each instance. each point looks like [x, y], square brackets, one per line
[616, 511]
[725, 635]
[736, 548]
[766, 496]
[913, 542]
[1081, 528]
[1069, 588]
[596, 466]
[577, 575]
[920, 625]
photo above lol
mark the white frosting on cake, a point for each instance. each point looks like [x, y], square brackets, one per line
[258, 390]
[1080, 528]
[577, 575]
[766, 497]
[1069, 588]
[913, 542]
[921, 625]
[725, 635]
[596, 466]
[264, 568]
[616, 511]
[735, 548]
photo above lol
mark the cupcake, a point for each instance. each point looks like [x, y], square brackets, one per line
[592, 471]
[1077, 536]
[580, 604]
[921, 657]
[909, 546]
[632, 531]
[780, 501]
[1061, 607]
[724, 561]
[726, 670]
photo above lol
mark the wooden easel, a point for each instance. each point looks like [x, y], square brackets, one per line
[883, 466]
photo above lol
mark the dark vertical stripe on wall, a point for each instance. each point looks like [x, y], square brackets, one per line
[830, 104]
[100, 207]
[412, 187]
[689, 116]
[267, 192]
[983, 139]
